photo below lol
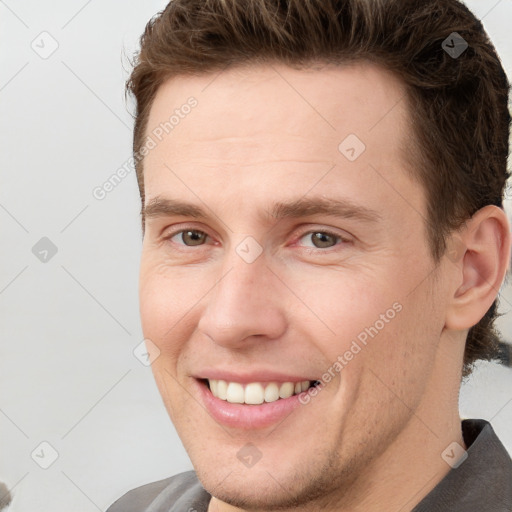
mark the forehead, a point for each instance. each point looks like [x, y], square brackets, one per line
[325, 100]
[264, 122]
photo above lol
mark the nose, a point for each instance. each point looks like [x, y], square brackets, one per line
[245, 305]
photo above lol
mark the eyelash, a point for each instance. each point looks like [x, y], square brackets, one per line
[339, 239]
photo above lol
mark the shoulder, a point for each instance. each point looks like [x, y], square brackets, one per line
[481, 480]
[164, 492]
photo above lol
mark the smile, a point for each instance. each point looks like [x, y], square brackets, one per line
[256, 393]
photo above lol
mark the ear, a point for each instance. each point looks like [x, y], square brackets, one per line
[480, 254]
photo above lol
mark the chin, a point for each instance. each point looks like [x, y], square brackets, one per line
[276, 487]
[257, 491]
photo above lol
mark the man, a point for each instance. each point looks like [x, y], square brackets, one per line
[324, 241]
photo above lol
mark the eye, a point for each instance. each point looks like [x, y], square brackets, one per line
[321, 239]
[189, 237]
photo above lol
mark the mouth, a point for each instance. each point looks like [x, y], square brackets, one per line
[249, 401]
[256, 393]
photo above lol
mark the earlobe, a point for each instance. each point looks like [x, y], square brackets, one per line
[480, 255]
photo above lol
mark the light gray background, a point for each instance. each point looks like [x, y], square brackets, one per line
[69, 326]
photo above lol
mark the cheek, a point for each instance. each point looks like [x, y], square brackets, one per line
[166, 304]
[166, 311]
[371, 326]
[400, 359]
[166, 292]
[342, 306]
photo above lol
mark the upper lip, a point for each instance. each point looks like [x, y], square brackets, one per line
[252, 376]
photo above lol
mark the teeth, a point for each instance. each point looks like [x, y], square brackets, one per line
[286, 389]
[255, 393]
[235, 393]
[222, 389]
[271, 392]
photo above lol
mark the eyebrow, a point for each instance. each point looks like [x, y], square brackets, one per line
[303, 207]
[161, 207]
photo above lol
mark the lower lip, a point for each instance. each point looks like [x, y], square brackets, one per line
[244, 416]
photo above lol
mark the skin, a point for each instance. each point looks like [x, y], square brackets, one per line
[373, 436]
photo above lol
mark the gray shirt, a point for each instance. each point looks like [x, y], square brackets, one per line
[483, 482]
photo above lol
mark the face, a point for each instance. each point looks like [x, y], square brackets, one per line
[285, 244]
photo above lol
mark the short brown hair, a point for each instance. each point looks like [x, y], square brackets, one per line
[460, 118]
